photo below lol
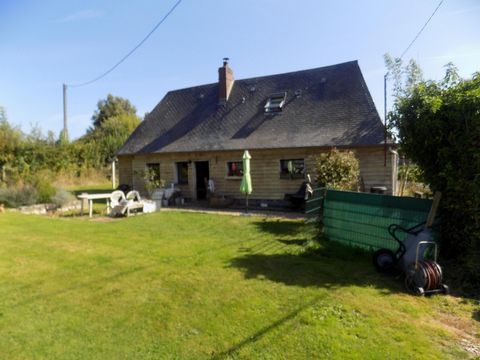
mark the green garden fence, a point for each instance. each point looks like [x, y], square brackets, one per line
[362, 219]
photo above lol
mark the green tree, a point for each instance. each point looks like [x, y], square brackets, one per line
[337, 170]
[111, 134]
[403, 79]
[439, 129]
[110, 107]
[10, 143]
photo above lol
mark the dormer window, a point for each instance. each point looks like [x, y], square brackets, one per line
[275, 103]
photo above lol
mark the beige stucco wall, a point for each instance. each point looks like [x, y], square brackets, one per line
[265, 170]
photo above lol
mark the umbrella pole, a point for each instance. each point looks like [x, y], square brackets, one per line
[246, 202]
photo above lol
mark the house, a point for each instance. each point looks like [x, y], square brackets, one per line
[284, 120]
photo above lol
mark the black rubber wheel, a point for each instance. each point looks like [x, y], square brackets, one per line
[409, 283]
[384, 260]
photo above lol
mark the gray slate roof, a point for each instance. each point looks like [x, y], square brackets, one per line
[334, 109]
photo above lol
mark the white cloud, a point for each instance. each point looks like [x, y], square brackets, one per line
[455, 55]
[464, 11]
[81, 15]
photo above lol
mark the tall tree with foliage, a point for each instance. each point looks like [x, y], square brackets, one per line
[111, 134]
[113, 122]
[403, 79]
[110, 107]
[438, 126]
[10, 140]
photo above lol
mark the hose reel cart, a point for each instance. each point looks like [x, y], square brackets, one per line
[416, 256]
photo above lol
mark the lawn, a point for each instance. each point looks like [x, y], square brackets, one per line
[175, 285]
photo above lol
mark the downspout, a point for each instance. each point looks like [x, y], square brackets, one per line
[385, 119]
[394, 171]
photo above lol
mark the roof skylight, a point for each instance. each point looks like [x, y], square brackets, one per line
[275, 103]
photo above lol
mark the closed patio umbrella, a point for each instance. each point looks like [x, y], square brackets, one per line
[246, 185]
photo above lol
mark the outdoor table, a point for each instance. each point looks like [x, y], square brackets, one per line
[90, 198]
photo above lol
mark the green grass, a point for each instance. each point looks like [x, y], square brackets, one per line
[176, 285]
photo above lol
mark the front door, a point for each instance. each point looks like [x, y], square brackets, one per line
[202, 176]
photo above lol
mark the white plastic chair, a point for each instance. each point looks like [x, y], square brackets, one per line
[132, 201]
[133, 195]
[117, 203]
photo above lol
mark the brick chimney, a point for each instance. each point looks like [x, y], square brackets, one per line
[225, 82]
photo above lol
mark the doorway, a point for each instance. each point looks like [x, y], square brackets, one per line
[202, 176]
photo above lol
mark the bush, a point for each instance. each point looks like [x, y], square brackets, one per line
[20, 196]
[337, 170]
[42, 182]
[62, 197]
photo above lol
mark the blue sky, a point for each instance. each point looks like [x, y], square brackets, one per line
[45, 43]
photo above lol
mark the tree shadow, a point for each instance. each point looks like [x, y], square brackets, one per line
[308, 271]
[330, 265]
[297, 242]
[283, 228]
[319, 262]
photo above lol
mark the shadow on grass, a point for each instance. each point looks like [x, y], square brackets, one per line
[327, 264]
[476, 315]
[330, 265]
[281, 227]
[310, 270]
[297, 242]
[260, 333]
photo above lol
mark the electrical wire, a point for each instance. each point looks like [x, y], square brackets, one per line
[421, 30]
[385, 77]
[131, 51]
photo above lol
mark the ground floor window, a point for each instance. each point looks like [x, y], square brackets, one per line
[182, 173]
[234, 168]
[292, 169]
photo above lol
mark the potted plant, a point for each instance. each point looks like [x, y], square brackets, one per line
[153, 184]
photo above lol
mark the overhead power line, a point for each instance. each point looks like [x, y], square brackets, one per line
[385, 77]
[65, 86]
[131, 51]
[421, 30]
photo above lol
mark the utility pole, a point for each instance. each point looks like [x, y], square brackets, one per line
[65, 128]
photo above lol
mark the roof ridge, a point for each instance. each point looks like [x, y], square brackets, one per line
[271, 75]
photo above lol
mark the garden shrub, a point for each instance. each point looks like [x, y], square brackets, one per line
[62, 197]
[18, 196]
[42, 182]
[337, 170]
